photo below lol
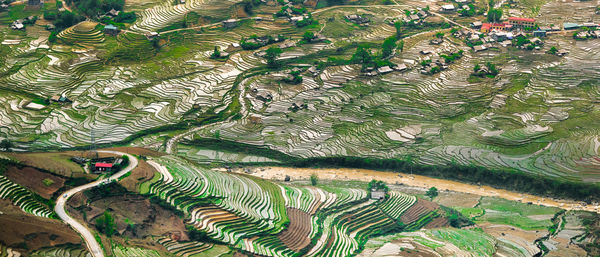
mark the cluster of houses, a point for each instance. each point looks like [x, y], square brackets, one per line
[371, 71]
[588, 34]
[357, 19]
[20, 23]
[513, 23]
[99, 164]
[415, 17]
[430, 66]
[60, 99]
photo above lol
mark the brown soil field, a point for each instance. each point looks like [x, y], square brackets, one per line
[20, 229]
[136, 150]
[438, 222]
[150, 219]
[457, 199]
[420, 208]
[34, 180]
[296, 235]
[143, 172]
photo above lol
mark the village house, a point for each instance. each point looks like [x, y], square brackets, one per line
[521, 23]
[448, 8]
[377, 194]
[488, 27]
[151, 35]
[102, 166]
[476, 24]
[384, 70]
[479, 48]
[231, 23]
[539, 33]
[400, 67]
[113, 13]
[570, 26]
[111, 30]
[357, 19]
[17, 25]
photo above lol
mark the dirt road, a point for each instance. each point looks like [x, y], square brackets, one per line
[279, 173]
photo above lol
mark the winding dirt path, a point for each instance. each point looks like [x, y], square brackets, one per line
[279, 173]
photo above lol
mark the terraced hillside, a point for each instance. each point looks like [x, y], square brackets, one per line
[538, 115]
[271, 219]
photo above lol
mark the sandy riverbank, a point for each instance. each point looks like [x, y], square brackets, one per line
[279, 173]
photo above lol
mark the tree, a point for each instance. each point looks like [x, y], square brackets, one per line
[494, 15]
[314, 179]
[105, 224]
[362, 56]
[439, 35]
[271, 55]
[308, 36]
[401, 45]
[553, 50]
[388, 47]
[432, 193]
[399, 25]
[477, 67]
[6, 145]
[216, 53]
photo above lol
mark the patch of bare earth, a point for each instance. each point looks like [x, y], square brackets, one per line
[418, 210]
[20, 230]
[35, 179]
[296, 235]
[142, 173]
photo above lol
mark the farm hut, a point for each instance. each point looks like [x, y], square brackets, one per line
[113, 13]
[384, 70]
[570, 26]
[151, 34]
[448, 8]
[231, 23]
[479, 48]
[103, 166]
[539, 33]
[377, 195]
[111, 30]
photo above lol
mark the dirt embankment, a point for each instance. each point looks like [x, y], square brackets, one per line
[279, 173]
[44, 184]
[142, 173]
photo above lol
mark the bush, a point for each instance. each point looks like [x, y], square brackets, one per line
[314, 180]
[125, 17]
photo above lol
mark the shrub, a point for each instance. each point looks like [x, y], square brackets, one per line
[314, 179]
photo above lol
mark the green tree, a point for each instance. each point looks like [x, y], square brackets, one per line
[362, 56]
[106, 224]
[494, 15]
[388, 47]
[308, 36]
[439, 35]
[314, 180]
[6, 145]
[401, 45]
[399, 28]
[216, 53]
[432, 193]
[477, 67]
[553, 50]
[271, 55]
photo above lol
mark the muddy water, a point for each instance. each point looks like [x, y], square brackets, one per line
[279, 173]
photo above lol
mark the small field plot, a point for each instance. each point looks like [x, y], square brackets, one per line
[521, 215]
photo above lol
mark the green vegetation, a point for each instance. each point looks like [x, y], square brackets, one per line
[106, 224]
[271, 55]
[432, 193]
[494, 15]
[314, 180]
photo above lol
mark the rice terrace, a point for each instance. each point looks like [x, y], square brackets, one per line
[288, 128]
